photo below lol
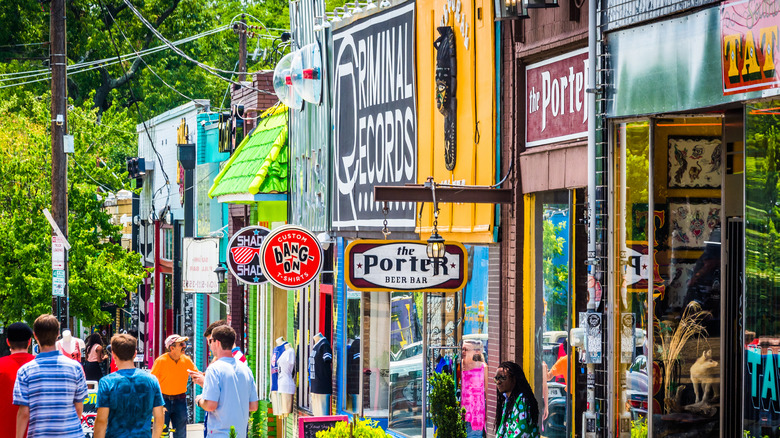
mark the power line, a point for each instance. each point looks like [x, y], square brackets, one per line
[138, 110]
[212, 70]
[26, 44]
[44, 74]
[144, 61]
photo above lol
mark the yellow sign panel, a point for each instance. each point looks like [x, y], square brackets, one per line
[404, 266]
[471, 23]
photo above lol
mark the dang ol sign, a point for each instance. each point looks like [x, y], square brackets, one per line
[403, 265]
[556, 99]
[291, 257]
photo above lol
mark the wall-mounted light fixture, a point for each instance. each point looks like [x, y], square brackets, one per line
[435, 247]
[534, 4]
[220, 271]
[510, 9]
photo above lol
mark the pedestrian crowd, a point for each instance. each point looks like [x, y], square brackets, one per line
[43, 395]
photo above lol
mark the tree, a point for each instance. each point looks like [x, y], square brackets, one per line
[102, 29]
[101, 271]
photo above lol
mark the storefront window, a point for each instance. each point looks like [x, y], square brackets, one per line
[353, 368]
[762, 269]
[632, 267]
[553, 303]
[686, 272]
[406, 363]
[376, 353]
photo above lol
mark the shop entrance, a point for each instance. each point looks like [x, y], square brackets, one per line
[676, 180]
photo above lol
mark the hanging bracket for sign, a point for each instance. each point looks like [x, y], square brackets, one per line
[403, 265]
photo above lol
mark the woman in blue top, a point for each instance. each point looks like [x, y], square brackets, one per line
[517, 411]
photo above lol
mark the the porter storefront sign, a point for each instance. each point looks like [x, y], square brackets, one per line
[403, 265]
[555, 99]
[374, 118]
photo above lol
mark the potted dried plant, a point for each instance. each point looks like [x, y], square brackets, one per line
[673, 341]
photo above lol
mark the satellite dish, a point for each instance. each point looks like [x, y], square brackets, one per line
[307, 73]
[283, 85]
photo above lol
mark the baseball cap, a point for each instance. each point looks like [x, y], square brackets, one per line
[173, 339]
[19, 332]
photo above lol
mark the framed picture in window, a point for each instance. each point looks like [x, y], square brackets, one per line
[692, 222]
[694, 162]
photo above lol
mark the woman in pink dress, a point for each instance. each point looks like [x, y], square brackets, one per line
[472, 398]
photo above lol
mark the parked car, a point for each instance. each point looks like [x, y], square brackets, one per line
[555, 424]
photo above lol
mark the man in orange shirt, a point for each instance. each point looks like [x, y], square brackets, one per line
[171, 371]
[18, 338]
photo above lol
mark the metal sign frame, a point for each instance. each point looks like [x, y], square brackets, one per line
[411, 258]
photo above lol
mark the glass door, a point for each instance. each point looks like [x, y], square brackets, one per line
[686, 306]
[631, 267]
[559, 249]
[761, 410]
[667, 269]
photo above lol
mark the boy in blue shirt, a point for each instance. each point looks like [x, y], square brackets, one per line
[128, 398]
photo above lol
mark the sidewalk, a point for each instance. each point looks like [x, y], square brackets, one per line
[195, 430]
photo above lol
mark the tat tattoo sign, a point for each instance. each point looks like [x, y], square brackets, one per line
[403, 265]
[242, 254]
[556, 101]
[374, 118]
[749, 38]
[291, 257]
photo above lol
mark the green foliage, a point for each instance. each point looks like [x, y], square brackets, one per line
[357, 429]
[93, 23]
[233, 432]
[639, 428]
[101, 271]
[445, 410]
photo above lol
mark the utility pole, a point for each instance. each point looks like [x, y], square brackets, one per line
[242, 50]
[59, 127]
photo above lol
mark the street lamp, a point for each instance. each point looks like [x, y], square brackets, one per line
[435, 248]
[220, 271]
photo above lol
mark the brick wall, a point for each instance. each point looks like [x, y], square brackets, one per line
[494, 332]
[255, 102]
[264, 81]
[237, 219]
[551, 28]
[503, 300]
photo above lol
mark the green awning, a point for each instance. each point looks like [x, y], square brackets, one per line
[257, 171]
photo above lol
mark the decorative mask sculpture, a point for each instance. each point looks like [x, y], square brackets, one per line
[445, 90]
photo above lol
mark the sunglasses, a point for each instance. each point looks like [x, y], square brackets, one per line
[500, 378]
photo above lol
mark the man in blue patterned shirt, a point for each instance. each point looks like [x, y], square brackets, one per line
[49, 390]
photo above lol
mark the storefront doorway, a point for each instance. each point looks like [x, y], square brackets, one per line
[669, 203]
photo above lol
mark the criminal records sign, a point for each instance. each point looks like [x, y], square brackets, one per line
[374, 118]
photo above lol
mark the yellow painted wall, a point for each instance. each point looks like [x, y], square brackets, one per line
[475, 96]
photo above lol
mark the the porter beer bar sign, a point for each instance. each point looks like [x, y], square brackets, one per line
[403, 265]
